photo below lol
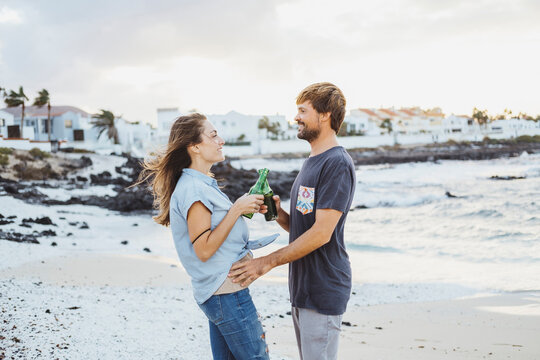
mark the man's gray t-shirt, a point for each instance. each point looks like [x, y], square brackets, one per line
[321, 280]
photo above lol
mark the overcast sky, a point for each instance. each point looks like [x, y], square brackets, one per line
[254, 56]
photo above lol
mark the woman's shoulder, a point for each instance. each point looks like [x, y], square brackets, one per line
[187, 185]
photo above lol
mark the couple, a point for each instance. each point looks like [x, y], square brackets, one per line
[211, 236]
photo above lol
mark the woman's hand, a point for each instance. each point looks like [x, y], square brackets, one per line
[247, 204]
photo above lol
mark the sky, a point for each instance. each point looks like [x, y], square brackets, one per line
[255, 56]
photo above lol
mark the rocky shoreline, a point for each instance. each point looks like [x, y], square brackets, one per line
[436, 152]
[26, 174]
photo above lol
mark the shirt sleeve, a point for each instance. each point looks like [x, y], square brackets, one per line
[335, 186]
[191, 195]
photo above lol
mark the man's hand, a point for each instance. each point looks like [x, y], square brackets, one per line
[247, 272]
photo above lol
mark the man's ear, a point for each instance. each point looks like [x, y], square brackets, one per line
[326, 117]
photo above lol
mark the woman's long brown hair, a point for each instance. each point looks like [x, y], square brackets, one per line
[162, 172]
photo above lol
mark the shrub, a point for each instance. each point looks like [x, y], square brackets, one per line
[528, 139]
[6, 151]
[37, 153]
[4, 160]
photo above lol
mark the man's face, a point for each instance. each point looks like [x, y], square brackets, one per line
[308, 120]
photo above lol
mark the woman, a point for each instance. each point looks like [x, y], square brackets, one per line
[209, 234]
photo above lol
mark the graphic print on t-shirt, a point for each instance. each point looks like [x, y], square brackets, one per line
[306, 198]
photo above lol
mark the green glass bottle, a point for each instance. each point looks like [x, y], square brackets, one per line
[262, 187]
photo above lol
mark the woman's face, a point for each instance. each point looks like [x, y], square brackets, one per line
[212, 144]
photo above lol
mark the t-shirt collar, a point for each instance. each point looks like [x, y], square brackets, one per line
[199, 175]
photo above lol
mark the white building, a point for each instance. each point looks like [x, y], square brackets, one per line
[364, 120]
[236, 127]
[513, 126]
[135, 137]
[233, 127]
[6, 119]
[165, 119]
[455, 124]
[67, 122]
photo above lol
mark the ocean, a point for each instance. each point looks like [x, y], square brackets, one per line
[447, 225]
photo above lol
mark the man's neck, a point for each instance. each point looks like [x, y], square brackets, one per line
[322, 143]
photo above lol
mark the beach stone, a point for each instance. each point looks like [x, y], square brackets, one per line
[11, 189]
[47, 233]
[497, 177]
[18, 237]
[43, 221]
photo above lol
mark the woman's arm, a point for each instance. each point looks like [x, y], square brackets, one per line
[199, 220]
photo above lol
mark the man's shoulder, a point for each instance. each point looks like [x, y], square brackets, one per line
[339, 157]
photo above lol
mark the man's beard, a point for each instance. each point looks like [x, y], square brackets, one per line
[309, 134]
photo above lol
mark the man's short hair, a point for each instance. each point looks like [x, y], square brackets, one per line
[325, 98]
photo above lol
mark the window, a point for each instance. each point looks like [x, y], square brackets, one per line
[44, 126]
[2, 122]
[68, 124]
[78, 135]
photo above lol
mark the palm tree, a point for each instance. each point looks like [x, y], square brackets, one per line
[386, 125]
[104, 121]
[17, 99]
[42, 100]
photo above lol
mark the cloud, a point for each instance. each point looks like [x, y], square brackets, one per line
[253, 56]
[9, 16]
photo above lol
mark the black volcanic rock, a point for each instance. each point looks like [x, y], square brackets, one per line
[18, 237]
[497, 177]
[43, 221]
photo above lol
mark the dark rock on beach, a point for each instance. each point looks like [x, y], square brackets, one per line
[18, 237]
[43, 221]
[497, 177]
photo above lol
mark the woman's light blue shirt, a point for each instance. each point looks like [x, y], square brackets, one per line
[207, 277]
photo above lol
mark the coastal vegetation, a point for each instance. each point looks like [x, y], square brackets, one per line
[105, 121]
[16, 99]
[41, 100]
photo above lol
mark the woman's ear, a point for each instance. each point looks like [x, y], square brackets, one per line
[194, 149]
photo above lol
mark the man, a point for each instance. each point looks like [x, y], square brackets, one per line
[321, 196]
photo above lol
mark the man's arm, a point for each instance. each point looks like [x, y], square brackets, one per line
[318, 235]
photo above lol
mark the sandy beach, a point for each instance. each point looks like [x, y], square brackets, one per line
[111, 306]
[434, 277]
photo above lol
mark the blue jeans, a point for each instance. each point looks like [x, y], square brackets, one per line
[235, 330]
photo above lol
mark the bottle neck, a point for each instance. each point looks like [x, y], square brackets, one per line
[261, 186]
